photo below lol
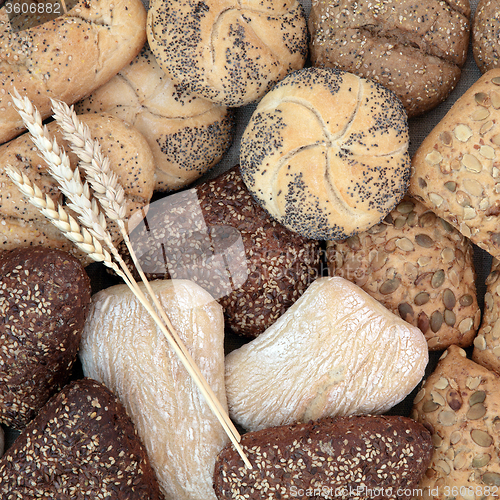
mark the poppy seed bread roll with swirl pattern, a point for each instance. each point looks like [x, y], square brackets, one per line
[326, 153]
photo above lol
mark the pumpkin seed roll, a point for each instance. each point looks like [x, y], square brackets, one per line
[419, 267]
[458, 403]
[455, 172]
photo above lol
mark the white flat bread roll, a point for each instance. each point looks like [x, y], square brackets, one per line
[335, 352]
[123, 348]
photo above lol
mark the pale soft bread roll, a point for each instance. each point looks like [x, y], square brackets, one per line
[123, 348]
[188, 135]
[22, 224]
[68, 57]
[455, 171]
[326, 153]
[231, 52]
[335, 352]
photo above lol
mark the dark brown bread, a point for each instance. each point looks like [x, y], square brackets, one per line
[486, 35]
[219, 237]
[44, 297]
[82, 444]
[416, 49]
[350, 457]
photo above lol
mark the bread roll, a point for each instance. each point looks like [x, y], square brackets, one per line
[455, 171]
[124, 349]
[416, 49]
[68, 57]
[227, 51]
[486, 35]
[350, 457]
[187, 135]
[459, 403]
[336, 351]
[44, 301]
[325, 153]
[82, 444]
[217, 236]
[21, 224]
[418, 266]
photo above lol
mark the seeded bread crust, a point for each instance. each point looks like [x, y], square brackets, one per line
[22, 224]
[487, 343]
[486, 35]
[44, 296]
[325, 153]
[266, 267]
[81, 444]
[415, 49]
[459, 405]
[67, 58]
[345, 458]
[454, 171]
[419, 267]
[187, 135]
[227, 51]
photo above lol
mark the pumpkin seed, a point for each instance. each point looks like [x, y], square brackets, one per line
[437, 398]
[399, 222]
[471, 163]
[379, 261]
[450, 186]
[410, 271]
[405, 244]
[450, 318]
[454, 399]
[438, 278]
[496, 80]
[496, 140]
[480, 114]
[465, 300]
[423, 240]
[482, 98]
[354, 242]
[496, 351]
[420, 395]
[405, 207]
[441, 384]
[488, 152]
[446, 138]
[423, 322]
[447, 255]
[446, 225]
[436, 321]
[427, 220]
[405, 310]
[449, 299]
[422, 183]
[479, 341]
[477, 397]
[423, 261]
[437, 440]
[472, 383]
[429, 406]
[465, 230]
[459, 461]
[389, 286]
[421, 298]
[434, 157]
[463, 199]
[412, 219]
[443, 465]
[455, 437]
[481, 438]
[481, 460]
[447, 418]
[495, 99]
[469, 213]
[486, 127]
[473, 187]
[433, 342]
[390, 246]
[462, 132]
[377, 229]
[436, 199]
[466, 325]
[476, 412]
[491, 478]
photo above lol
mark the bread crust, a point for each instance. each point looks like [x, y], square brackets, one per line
[486, 35]
[68, 57]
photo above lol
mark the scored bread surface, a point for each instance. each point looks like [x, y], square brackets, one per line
[325, 153]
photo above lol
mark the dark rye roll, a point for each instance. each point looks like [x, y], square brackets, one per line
[217, 236]
[416, 49]
[326, 153]
[229, 52]
[82, 444]
[486, 35]
[44, 299]
[349, 457]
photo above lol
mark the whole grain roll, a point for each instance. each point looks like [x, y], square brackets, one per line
[68, 57]
[325, 153]
[227, 51]
[187, 135]
[416, 49]
[486, 35]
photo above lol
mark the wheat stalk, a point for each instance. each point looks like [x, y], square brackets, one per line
[94, 235]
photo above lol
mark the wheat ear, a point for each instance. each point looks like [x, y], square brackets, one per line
[89, 215]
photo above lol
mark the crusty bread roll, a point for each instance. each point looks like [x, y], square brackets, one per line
[455, 170]
[420, 267]
[486, 35]
[21, 224]
[325, 153]
[459, 403]
[187, 134]
[345, 458]
[228, 51]
[123, 348]
[416, 49]
[336, 351]
[68, 57]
